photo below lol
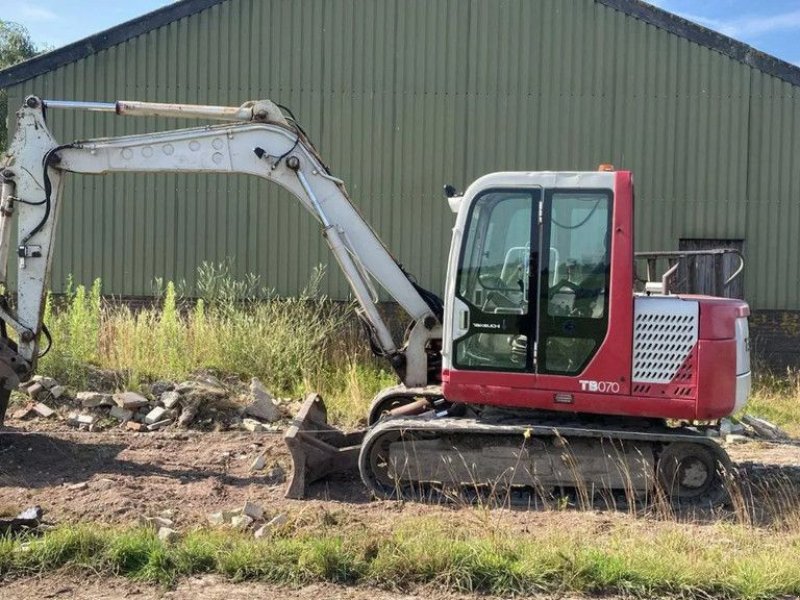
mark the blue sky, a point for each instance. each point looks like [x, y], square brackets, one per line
[769, 25]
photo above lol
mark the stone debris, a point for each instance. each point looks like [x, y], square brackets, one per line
[159, 424]
[241, 522]
[86, 419]
[170, 399]
[253, 510]
[155, 415]
[253, 425]
[130, 400]
[121, 414]
[43, 410]
[35, 390]
[259, 463]
[94, 399]
[168, 535]
[47, 383]
[275, 523]
[57, 391]
[763, 428]
[79, 486]
[202, 402]
[263, 404]
[104, 483]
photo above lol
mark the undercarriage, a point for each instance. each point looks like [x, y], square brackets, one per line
[453, 452]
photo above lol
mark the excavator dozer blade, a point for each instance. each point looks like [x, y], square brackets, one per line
[318, 449]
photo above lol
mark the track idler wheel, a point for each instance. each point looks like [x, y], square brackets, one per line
[694, 474]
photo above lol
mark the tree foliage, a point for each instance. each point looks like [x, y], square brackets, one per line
[15, 46]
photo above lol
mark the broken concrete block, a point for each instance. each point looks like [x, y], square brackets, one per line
[47, 383]
[130, 400]
[268, 528]
[259, 463]
[134, 426]
[155, 415]
[764, 428]
[217, 518]
[159, 425]
[43, 410]
[104, 483]
[241, 521]
[121, 414]
[168, 535]
[253, 510]
[263, 405]
[189, 413]
[170, 399]
[79, 486]
[278, 521]
[94, 399]
[201, 388]
[252, 425]
[35, 390]
[57, 391]
[86, 419]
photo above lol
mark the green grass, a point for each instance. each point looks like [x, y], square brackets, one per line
[776, 397]
[639, 559]
[294, 345]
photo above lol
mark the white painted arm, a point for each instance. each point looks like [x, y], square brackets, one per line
[263, 144]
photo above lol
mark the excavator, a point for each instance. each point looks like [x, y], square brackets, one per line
[544, 367]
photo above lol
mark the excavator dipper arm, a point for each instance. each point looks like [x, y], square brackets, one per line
[260, 141]
[257, 140]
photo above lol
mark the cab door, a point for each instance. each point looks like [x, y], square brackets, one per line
[497, 282]
[574, 294]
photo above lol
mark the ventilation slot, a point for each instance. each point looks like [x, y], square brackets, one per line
[664, 336]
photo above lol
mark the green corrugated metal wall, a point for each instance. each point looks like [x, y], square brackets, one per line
[402, 96]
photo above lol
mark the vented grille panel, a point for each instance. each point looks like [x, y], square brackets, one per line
[664, 335]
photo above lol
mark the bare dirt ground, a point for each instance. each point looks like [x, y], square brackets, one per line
[114, 477]
[66, 587]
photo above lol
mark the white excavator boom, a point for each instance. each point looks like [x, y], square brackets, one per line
[258, 141]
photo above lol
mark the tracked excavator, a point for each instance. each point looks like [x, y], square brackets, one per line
[545, 366]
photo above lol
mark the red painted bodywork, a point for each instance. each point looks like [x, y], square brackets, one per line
[704, 387]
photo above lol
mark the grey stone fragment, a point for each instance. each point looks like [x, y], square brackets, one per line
[259, 463]
[43, 410]
[170, 399]
[253, 510]
[252, 425]
[263, 405]
[155, 415]
[241, 521]
[130, 400]
[159, 425]
[57, 391]
[168, 535]
[121, 414]
[94, 399]
[46, 382]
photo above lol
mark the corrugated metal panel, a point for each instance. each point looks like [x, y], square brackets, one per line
[405, 95]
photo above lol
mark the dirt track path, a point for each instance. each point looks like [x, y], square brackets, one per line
[66, 587]
[117, 476]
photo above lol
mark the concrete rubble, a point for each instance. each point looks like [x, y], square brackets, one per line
[250, 516]
[202, 402]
